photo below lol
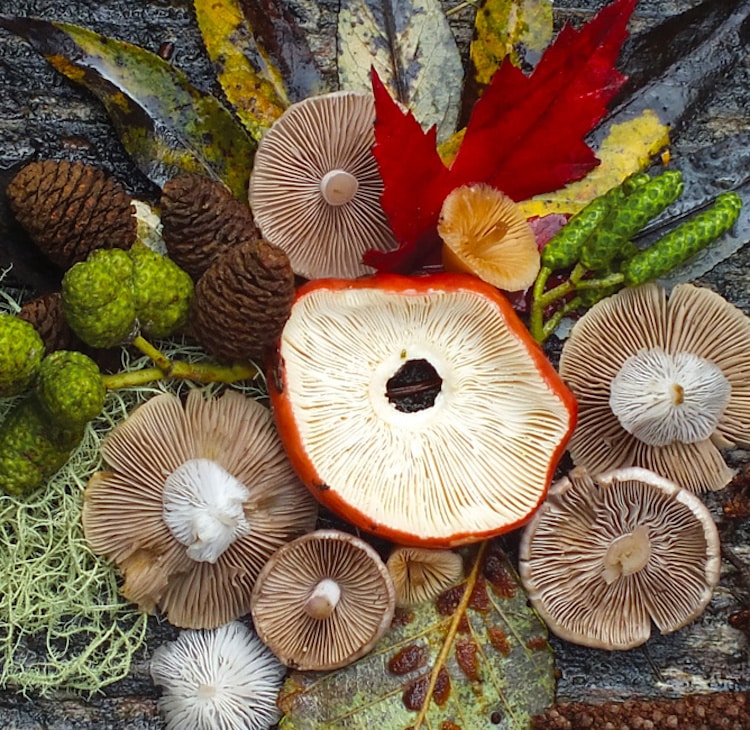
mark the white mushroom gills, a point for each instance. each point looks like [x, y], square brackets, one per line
[662, 398]
[338, 187]
[627, 555]
[203, 508]
[323, 599]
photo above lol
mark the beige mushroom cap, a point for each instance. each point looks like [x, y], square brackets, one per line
[485, 233]
[315, 187]
[323, 600]
[604, 557]
[421, 574]
[196, 500]
[660, 384]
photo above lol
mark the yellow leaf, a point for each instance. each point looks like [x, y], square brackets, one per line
[255, 90]
[628, 147]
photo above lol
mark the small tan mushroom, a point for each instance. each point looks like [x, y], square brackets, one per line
[485, 233]
[604, 557]
[197, 499]
[323, 600]
[315, 187]
[421, 574]
[660, 384]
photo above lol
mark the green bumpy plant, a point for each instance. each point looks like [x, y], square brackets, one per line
[98, 298]
[596, 244]
[21, 353]
[70, 389]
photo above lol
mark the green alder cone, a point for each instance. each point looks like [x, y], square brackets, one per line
[163, 292]
[98, 298]
[684, 241]
[32, 449]
[646, 201]
[21, 353]
[70, 389]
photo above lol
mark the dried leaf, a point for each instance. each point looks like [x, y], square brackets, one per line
[628, 147]
[526, 135]
[411, 46]
[475, 658]
[251, 83]
[517, 29]
[165, 123]
[282, 47]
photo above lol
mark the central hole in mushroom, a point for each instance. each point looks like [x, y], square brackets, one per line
[414, 386]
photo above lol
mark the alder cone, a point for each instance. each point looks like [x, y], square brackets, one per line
[45, 313]
[70, 208]
[200, 219]
[242, 301]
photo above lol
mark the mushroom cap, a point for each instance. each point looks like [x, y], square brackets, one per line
[315, 187]
[418, 408]
[127, 509]
[421, 574]
[223, 679]
[660, 384]
[485, 233]
[604, 557]
[293, 617]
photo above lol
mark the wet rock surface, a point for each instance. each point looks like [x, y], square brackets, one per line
[42, 114]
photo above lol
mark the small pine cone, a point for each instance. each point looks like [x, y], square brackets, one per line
[69, 209]
[242, 301]
[45, 312]
[201, 218]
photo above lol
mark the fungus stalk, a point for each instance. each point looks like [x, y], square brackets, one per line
[627, 555]
[338, 187]
[323, 599]
[203, 508]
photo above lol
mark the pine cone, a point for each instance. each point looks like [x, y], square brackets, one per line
[200, 219]
[242, 301]
[69, 209]
[716, 711]
[45, 312]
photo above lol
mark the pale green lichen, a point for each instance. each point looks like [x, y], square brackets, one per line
[63, 623]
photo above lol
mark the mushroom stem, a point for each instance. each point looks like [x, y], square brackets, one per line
[627, 555]
[323, 599]
[338, 187]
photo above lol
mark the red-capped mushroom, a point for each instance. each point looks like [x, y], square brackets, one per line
[418, 408]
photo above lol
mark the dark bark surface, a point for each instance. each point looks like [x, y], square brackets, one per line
[44, 115]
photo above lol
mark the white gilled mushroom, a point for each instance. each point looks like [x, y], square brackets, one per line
[419, 408]
[603, 558]
[315, 187]
[660, 384]
[197, 499]
[223, 679]
[421, 574]
[485, 233]
[323, 600]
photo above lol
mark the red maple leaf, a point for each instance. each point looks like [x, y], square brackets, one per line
[526, 135]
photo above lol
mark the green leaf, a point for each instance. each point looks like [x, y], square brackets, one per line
[477, 657]
[251, 82]
[410, 44]
[165, 123]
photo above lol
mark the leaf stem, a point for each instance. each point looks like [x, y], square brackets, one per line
[199, 372]
[451, 635]
[162, 361]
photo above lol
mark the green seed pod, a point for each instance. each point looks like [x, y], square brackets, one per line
[630, 183]
[646, 201]
[683, 242]
[21, 352]
[564, 249]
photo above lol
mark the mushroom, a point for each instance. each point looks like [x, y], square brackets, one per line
[315, 187]
[660, 384]
[418, 408]
[485, 233]
[604, 557]
[421, 574]
[224, 679]
[323, 600]
[197, 499]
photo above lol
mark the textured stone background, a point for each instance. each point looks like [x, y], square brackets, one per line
[43, 115]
